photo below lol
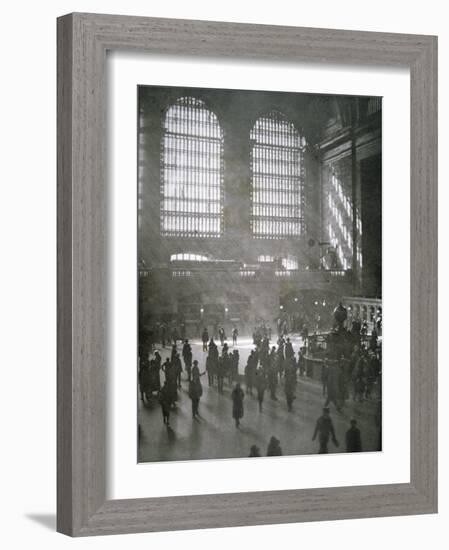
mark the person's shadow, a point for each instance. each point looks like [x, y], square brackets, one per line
[46, 520]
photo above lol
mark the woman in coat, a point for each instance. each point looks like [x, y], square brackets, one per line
[237, 404]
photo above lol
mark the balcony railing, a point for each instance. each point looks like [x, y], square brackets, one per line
[249, 273]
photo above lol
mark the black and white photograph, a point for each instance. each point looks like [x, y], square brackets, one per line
[259, 266]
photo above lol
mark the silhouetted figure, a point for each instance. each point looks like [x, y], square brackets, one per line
[234, 366]
[324, 377]
[333, 384]
[213, 349]
[305, 334]
[196, 370]
[254, 451]
[155, 379]
[165, 402]
[158, 359]
[221, 371]
[325, 429]
[290, 385]
[221, 335]
[210, 369]
[359, 377]
[353, 439]
[289, 352]
[144, 380]
[274, 448]
[250, 369]
[177, 365]
[187, 356]
[237, 404]
[356, 326]
[205, 338]
[170, 381]
[235, 334]
[261, 385]
[174, 351]
[272, 375]
[301, 361]
[195, 393]
[373, 339]
[163, 335]
[279, 361]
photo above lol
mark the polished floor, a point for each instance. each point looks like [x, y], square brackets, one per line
[214, 434]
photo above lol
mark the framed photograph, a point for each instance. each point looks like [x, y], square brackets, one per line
[247, 250]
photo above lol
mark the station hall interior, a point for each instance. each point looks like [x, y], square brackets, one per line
[259, 220]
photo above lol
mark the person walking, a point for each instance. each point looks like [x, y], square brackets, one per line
[205, 338]
[235, 334]
[165, 401]
[144, 381]
[221, 371]
[353, 438]
[289, 352]
[301, 361]
[195, 393]
[171, 391]
[249, 372]
[272, 377]
[325, 430]
[155, 378]
[177, 365]
[210, 369]
[324, 376]
[222, 335]
[237, 404]
[261, 385]
[290, 385]
[196, 369]
[235, 358]
[163, 332]
[187, 356]
[333, 378]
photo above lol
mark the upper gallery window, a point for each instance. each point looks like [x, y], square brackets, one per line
[277, 175]
[192, 171]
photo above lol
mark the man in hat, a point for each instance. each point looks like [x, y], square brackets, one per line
[325, 429]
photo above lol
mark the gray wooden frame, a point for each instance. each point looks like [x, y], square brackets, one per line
[83, 40]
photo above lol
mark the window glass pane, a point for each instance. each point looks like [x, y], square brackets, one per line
[276, 178]
[192, 175]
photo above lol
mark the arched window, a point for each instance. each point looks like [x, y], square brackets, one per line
[192, 171]
[277, 175]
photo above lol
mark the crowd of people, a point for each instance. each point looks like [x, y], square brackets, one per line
[270, 371]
